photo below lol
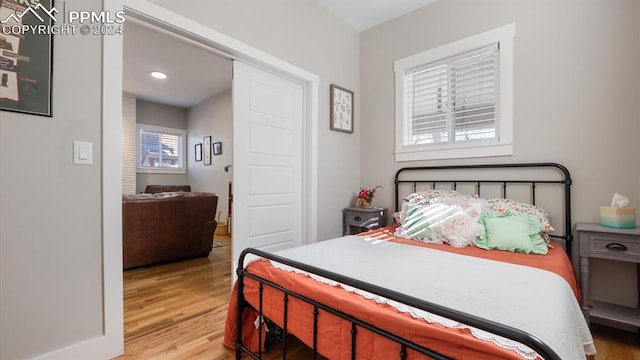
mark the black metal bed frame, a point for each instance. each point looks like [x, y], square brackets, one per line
[502, 330]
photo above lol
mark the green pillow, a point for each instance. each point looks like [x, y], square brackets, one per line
[517, 233]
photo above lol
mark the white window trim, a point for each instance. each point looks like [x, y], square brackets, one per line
[503, 146]
[183, 151]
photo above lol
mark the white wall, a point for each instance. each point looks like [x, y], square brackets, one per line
[212, 117]
[50, 209]
[306, 35]
[576, 92]
[156, 114]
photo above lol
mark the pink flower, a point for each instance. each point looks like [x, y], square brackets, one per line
[367, 193]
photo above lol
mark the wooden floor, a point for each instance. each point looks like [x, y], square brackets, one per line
[178, 310]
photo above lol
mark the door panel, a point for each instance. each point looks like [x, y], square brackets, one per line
[267, 153]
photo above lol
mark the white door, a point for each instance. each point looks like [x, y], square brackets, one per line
[267, 161]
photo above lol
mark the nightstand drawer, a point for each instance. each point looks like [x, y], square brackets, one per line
[613, 246]
[362, 219]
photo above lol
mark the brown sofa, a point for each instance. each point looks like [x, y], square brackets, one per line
[163, 227]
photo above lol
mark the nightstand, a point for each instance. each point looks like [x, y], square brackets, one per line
[363, 219]
[612, 244]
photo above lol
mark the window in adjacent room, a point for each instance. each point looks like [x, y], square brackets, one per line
[161, 150]
[456, 101]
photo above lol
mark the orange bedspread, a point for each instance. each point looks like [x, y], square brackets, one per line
[334, 337]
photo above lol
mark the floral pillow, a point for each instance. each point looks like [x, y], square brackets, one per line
[459, 230]
[416, 222]
[513, 207]
[426, 196]
[473, 206]
[447, 197]
[439, 223]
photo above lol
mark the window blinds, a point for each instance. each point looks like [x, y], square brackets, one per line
[159, 150]
[453, 99]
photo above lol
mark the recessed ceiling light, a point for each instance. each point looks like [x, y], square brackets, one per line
[158, 75]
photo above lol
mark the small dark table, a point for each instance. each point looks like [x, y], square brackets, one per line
[363, 219]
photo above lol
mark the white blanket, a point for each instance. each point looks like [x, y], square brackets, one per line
[536, 301]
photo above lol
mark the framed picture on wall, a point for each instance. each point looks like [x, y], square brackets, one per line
[217, 148]
[26, 57]
[206, 147]
[341, 101]
[199, 152]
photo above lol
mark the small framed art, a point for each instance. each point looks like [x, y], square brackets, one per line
[199, 152]
[341, 101]
[206, 148]
[217, 148]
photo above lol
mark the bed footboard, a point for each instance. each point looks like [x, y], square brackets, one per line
[403, 344]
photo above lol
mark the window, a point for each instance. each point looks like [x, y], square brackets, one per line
[456, 101]
[161, 150]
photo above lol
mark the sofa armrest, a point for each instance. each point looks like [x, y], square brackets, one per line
[207, 237]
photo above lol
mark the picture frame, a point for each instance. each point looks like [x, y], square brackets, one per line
[342, 106]
[198, 148]
[27, 64]
[217, 148]
[206, 147]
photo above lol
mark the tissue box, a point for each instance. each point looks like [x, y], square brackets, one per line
[618, 217]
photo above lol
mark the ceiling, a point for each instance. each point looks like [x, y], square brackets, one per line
[364, 14]
[195, 74]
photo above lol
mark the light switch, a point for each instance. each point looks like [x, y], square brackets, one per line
[82, 153]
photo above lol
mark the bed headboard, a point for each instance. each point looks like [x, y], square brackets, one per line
[530, 182]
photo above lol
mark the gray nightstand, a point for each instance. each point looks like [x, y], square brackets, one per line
[363, 219]
[613, 244]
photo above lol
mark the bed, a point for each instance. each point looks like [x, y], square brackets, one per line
[378, 295]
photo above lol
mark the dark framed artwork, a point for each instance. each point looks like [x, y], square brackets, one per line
[199, 152]
[206, 148]
[341, 101]
[26, 57]
[217, 148]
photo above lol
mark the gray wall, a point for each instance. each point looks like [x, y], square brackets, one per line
[306, 35]
[50, 210]
[212, 117]
[156, 114]
[576, 90]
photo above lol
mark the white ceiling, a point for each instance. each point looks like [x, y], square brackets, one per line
[193, 74]
[364, 14]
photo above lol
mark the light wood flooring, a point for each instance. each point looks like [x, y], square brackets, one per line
[178, 311]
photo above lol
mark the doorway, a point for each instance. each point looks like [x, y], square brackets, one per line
[213, 41]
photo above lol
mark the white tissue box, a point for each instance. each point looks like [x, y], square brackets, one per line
[618, 217]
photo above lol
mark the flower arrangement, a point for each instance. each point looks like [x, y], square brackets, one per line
[365, 195]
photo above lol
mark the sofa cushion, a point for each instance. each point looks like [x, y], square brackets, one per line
[152, 189]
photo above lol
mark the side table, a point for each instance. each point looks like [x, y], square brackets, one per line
[363, 218]
[613, 244]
